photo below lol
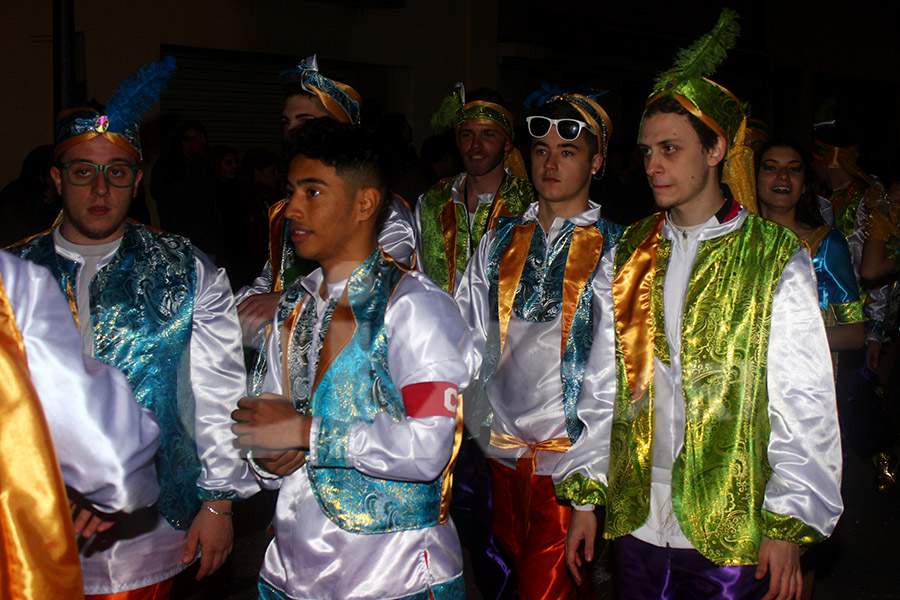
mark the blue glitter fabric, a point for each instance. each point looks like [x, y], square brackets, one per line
[141, 312]
[538, 299]
[834, 271]
[357, 387]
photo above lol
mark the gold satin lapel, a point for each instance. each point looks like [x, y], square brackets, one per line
[40, 558]
[449, 227]
[276, 232]
[447, 480]
[339, 334]
[585, 250]
[500, 210]
[633, 313]
[511, 264]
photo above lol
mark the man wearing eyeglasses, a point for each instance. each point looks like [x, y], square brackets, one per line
[528, 295]
[155, 307]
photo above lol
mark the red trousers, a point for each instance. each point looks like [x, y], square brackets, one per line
[534, 536]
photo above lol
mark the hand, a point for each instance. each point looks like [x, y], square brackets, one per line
[282, 463]
[873, 356]
[257, 310]
[213, 534]
[87, 522]
[582, 528]
[270, 421]
[781, 560]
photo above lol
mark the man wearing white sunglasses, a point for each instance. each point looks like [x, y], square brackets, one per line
[528, 295]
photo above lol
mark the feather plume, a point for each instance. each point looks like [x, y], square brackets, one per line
[702, 57]
[138, 93]
[447, 115]
[540, 95]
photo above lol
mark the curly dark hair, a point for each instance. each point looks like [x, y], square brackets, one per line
[355, 154]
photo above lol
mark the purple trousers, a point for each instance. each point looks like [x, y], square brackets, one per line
[647, 572]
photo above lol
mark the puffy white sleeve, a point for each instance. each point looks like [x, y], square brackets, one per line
[472, 296]
[260, 285]
[105, 442]
[218, 381]
[428, 342]
[581, 474]
[804, 444]
[398, 234]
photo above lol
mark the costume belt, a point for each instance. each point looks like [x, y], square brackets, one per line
[526, 464]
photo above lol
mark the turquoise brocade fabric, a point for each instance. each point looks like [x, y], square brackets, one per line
[837, 286]
[141, 312]
[538, 299]
[357, 387]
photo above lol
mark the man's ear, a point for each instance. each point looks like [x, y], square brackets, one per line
[596, 163]
[717, 152]
[56, 175]
[369, 200]
[137, 181]
[508, 146]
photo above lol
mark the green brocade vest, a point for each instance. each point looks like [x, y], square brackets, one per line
[447, 240]
[719, 477]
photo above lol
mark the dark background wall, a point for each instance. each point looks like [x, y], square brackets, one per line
[792, 58]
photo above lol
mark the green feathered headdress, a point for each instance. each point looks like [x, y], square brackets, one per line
[454, 110]
[715, 106]
[687, 80]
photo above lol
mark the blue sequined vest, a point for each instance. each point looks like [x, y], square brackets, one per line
[355, 388]
[142, 306]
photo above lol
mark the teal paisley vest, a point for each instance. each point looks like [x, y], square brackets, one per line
[355, 387]
[141, 313]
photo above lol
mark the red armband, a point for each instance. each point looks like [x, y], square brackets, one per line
[430, 399]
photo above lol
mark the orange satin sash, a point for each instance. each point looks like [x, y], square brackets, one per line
[634, 314]
[527, 463]
[39, 555]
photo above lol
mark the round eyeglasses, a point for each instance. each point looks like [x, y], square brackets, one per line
[567, 129]
[81, 172]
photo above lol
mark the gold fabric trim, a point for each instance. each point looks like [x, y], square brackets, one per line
[585, 250]
[633, 312]
[447, 476]
[276, 233]
[511, 264]
[449, 225]
[40, 557]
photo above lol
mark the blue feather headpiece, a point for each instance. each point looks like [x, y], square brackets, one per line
[119, 122]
